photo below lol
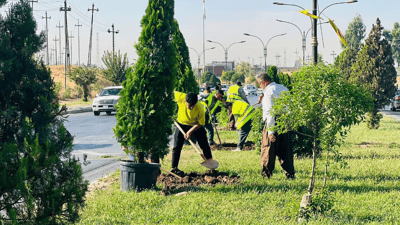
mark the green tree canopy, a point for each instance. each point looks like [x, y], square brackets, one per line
[185, 80]
[116, 66]
[345, 60]
[355, 33]
[393, 37]
[244, 68]
[40, 182]
[146, 104]
[374, 69]
[324, 102]
[83, 76]
[206, 77]
[238, 77]
[227, 76]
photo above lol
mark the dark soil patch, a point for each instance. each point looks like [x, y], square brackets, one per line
[249, 145]
[172, 184]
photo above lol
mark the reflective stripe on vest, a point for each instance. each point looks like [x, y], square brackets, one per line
[207, 115]
[233, 94]
[243, 111]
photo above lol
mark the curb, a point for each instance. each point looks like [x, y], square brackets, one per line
[74, 110]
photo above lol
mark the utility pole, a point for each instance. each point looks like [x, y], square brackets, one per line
[314, 42]
[277, 56]
[32, 2]
[113, 32]
[55, 48]
[47, 36]
[51, 56]
[59, 31]
[79, 44]
[71, 62]
[66, 9]
[98, 62]
[90, 40]
[333, 54]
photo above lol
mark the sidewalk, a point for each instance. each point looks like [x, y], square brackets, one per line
[79, 109]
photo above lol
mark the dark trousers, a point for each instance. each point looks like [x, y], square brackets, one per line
[283, 148]
[201, 137]
[244, 133]
[210, 130]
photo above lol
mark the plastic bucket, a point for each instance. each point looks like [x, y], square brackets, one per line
[138, 176]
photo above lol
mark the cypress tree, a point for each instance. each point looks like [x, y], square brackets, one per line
[345, 61]
[375, 70]
[146, 104]
[40, 183]
[185, 80]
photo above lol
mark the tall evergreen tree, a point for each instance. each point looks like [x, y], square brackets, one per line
[374, 69]
[146, 104]
[355, 33]
[393, 37]
[345, 60]
[40, 183]
[185, 80]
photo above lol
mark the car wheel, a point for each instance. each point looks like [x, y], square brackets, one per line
[108, 112]
[96, 113]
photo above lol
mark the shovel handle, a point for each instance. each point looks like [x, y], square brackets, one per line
[171, 173]
[191, 142]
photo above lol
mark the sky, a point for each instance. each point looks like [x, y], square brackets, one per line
[226, 21]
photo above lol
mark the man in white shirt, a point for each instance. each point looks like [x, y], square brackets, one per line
[273, 144]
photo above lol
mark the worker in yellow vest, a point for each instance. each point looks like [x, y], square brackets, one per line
[213, 102]
[235, 93]
[244, 113]
[191, 118]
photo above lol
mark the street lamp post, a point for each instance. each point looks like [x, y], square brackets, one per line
[303, 36]
[198, 60]
[314, 42]
[226, 50]
[264, 46]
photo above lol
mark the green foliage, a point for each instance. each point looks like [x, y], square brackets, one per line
[393, 37]
[238, 77]
[273, 73]
[355, 33]
[206, 77]
[375, 70]
[373, 119]
[345, 61]
[244, 68]
[322, 205]
[40, 183]
[58, 87]
[185, 80]
[146, 104]
[222, 117]
[67, 93]
[257, 129]
[116, 66]
[252, 79]
[83, 76]
[227, 76]
[325, 103]
[214, 80]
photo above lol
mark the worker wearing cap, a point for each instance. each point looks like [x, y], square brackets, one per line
[191, 118]
[235, 93]
[244, 113]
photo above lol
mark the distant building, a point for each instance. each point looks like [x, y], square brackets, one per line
[217, 67]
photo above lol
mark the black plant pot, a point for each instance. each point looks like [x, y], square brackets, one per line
[138, 176]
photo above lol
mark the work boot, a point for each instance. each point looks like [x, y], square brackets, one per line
[290, 176]
[211, 142]
[177, 172]
[237, 150]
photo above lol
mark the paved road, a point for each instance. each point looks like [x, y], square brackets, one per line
[94, 137]
[393, 114]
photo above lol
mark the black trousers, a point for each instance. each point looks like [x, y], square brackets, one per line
[201, 137]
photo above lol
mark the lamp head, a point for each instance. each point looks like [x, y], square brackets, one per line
[246, 34]
[242, 42]
[353, 1]
[209, 41]
[278, 3]
[212, 48]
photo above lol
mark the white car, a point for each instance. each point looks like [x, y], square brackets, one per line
[250, 89]
[224, 87]
[106, 100]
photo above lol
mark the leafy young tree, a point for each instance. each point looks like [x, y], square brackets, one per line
[40, 183]
[324, 102]
[374, 69]
[116, 66]
[355, 33]
[185, 80]
[206, 77]
[227, 76]
[238, 77]
[244, 68]
[83, 76]
[146, 104]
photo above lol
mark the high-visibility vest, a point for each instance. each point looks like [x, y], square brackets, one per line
[243, 111]
[216, 105]
[233, 94]
[207, 115]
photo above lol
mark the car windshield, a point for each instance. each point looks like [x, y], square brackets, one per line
[106, 92]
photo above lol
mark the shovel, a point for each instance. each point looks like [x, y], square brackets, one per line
[215, 127]
[208, 163]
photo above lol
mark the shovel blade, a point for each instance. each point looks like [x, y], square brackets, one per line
[210, 164]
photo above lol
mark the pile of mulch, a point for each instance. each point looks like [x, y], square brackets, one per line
[172, 184]
[249, 145]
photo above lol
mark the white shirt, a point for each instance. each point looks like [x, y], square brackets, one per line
[273, 90]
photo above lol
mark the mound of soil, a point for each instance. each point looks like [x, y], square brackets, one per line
[249, 145]
[172, 184]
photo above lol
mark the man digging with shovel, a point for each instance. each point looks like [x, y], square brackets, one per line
[191, 121]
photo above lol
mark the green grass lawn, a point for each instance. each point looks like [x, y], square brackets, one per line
[367, 191]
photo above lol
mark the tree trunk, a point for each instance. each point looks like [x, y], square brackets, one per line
[140, 156]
